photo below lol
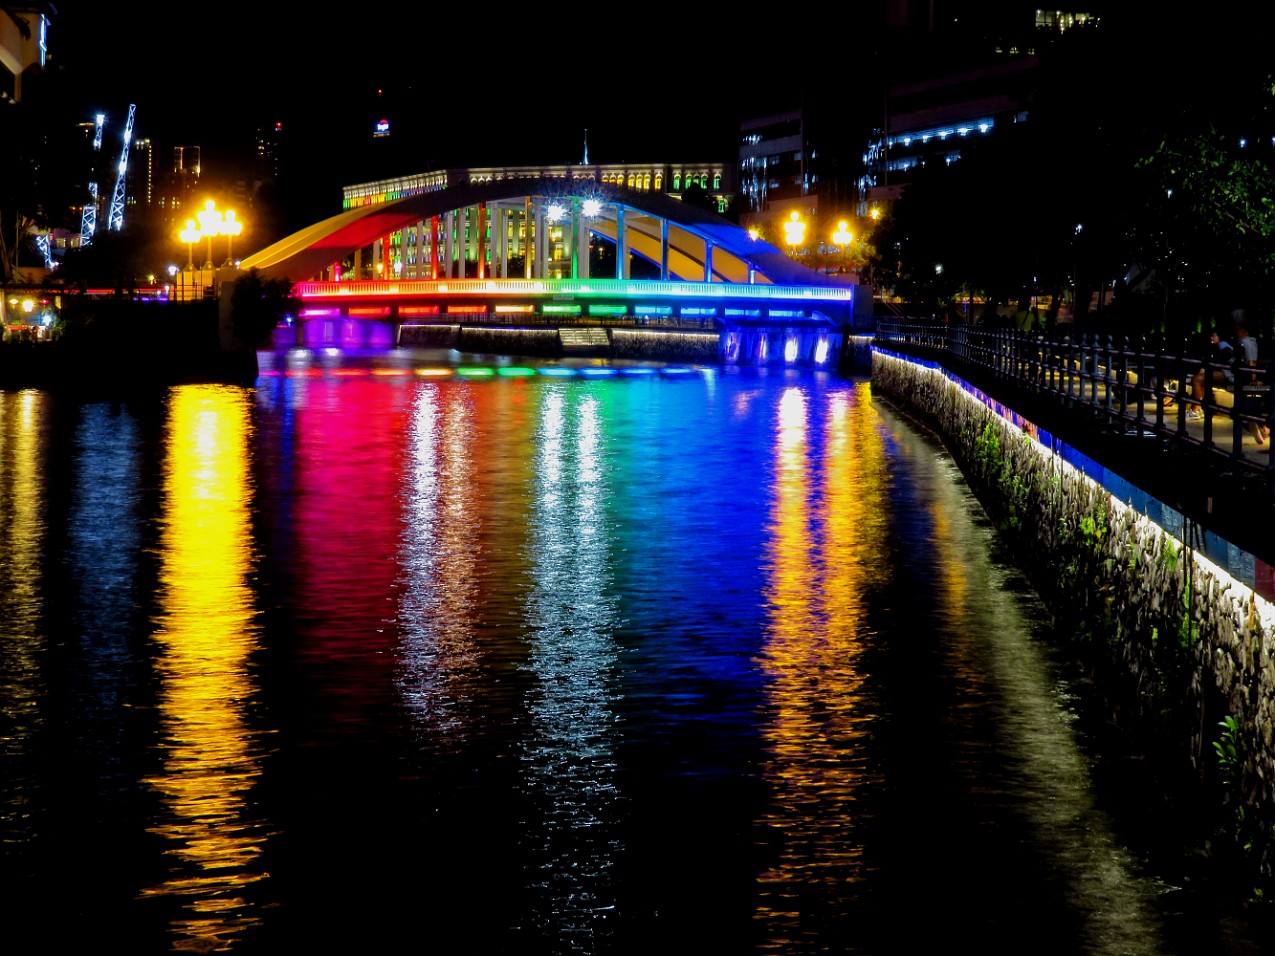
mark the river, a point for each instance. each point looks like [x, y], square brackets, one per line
[392, 653]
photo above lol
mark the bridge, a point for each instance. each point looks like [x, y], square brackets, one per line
[523, 249]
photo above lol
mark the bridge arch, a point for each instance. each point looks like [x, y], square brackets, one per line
[515, 249]
[471, 228]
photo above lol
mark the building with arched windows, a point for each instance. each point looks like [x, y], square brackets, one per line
[713, 182]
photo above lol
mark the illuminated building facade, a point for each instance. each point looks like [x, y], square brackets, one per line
[527, 235]
[932, 120]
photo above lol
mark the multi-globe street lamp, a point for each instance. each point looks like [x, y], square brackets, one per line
[230, 227]
[794, 232]
[210, 220]
[842, 239]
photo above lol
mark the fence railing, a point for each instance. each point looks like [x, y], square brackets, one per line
[1131, 386]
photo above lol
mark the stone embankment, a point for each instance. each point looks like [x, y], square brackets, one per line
[1181, 651]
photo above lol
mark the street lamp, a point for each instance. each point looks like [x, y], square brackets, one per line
[191, 235]
[794, 232]
[230, 227]
[842, 239]
[210, 220]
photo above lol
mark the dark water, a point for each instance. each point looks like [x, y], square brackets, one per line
[362, 662]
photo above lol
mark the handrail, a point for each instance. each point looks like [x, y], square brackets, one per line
[1128, 384]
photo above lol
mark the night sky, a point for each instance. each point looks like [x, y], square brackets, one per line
[472, 87]
[475, 92]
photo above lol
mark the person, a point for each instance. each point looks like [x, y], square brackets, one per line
[1216, 371]
[1251, 380]
[1248, 350]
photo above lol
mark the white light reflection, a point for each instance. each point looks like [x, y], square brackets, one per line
[440, 602]
[568, 758]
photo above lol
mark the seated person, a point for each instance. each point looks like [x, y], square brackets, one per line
[1216, 371]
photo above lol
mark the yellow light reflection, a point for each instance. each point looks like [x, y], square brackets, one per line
[822, 554]
[21, 534]
[206, 633]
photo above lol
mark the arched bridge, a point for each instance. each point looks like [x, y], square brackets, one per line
[551, 251]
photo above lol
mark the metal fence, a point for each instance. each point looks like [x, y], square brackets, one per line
[1134, 388]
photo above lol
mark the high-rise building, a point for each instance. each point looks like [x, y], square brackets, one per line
[23, 45]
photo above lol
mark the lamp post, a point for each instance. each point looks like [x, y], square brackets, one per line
[190, 235]
[794, 233]
[842, 238]
[210, 220]
[230, 227]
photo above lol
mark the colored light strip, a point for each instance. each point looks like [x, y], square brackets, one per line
[471, 371]
[434, 372]
[515, 371]
[557, 372]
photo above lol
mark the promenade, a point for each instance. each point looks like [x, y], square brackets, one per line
[1190, 465]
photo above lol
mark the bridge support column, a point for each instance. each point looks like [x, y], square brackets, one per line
[433, 247]
[621, 245]
[579, 243]
[500, 241]
[708, 261]
[542, 244]
[449, 244]
[529, 237]
[480, 238]
[664, 249]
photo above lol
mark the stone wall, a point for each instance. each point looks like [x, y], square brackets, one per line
[1181, 650]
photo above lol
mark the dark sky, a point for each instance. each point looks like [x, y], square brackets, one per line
[482, 91]
[466, 86]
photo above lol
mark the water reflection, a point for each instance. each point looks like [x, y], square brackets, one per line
[211, 756]
[569, 761]
[440, 659]
[826, 522]
[23, 692]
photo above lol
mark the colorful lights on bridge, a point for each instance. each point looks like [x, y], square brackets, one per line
[490, 372]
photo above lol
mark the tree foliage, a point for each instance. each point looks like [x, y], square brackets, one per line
[258, 305]
[1133, 173]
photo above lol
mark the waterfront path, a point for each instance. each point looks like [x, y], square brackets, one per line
[1211, 490]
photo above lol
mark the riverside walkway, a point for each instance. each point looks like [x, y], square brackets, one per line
[1214, 471]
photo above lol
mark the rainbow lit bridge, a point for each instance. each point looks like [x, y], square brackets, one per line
[522, 250]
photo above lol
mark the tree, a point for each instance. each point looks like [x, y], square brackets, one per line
[258, 305]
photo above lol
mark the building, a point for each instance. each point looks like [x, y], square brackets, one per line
[709, 185]
[932, 120]
[23, 45]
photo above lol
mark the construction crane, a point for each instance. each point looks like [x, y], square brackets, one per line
[88, 220]
[116, 219]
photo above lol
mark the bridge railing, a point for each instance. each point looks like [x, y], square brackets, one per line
[1129, 386]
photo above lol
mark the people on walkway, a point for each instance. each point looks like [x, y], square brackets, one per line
[1216, 372]
[1253, 384]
